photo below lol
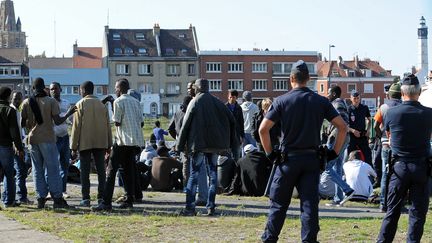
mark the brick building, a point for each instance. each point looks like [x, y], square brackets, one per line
[365, 76]
[265, 73]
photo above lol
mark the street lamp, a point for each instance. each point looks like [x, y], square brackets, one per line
[330, 63]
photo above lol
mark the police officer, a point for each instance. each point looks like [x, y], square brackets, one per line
[409, 128]
[301, 113]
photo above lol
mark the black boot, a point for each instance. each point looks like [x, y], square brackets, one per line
[60, 203]
[41, 203]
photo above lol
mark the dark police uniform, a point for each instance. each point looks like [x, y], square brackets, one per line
[357, 116]
[410, 125]
[301, 113]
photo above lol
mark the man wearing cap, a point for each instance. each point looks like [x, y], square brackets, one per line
[358, 129]
[409, 128]
[249, 112]
[300, 165]
[208, 129]
[394, 95]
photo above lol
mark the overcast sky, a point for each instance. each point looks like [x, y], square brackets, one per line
[383, 30]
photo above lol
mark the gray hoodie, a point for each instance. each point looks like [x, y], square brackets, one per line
[249, 111]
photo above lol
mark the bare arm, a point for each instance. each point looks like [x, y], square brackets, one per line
[264, 132]
[59, 120]
[342, 129]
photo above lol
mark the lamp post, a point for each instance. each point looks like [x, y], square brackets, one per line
[330, 63]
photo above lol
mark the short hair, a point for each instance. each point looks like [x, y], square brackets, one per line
[355, 155]
[157, 123]
[337, 90]
[5, 93]
[201, 86]
[233, 92]
[266, 103]
[301, 77]
[124, 84]
[39, 84]
[17, 93]
[88, 87]
[410, 90]
[56, 83]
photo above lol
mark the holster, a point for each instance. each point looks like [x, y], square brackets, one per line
[322, 157]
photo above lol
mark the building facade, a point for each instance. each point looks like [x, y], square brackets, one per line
[11, 35]
[157, 62]
[365, 76]
[265, 73]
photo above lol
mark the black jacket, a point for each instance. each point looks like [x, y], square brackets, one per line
[254, 169]
[9, 129]
[208, 126]
[238, 117]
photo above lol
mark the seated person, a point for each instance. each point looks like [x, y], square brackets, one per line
[252, 173]
[326, 187]
[147, 154]
[357, 174]
[166, 173]
[162, 150]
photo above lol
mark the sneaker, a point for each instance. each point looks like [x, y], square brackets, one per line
[12, 205]
[101, 207]
[333, 204]
[210, 212]
[125, 205]
[48, 197]
[200, 203]
[120, 199]
[347, 197]
[60, 203]
[25, 201]
[188, 212]
[85, 203]
[41, 203]
[65, 195]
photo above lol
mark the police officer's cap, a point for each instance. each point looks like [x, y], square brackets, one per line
[299, 67]
[354, 93]
[410, 80]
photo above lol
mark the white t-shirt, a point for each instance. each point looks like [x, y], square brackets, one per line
[357, 175]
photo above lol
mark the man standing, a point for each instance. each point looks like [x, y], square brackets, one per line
[9, 135]
[37, 116]
[301, 113]
[334, 167]
[21, 165]
[358, 129]
[129, 121]
[409, 128]
[91, 136]
[237, 111]
[208, 129]
[61, 132]
[249, 112]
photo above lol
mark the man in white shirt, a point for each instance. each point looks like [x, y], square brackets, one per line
[357, 175]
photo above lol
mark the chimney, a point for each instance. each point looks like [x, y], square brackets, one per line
[75, 48]
[339, 61]
[156, 30]
[106, 29]
[356, 61]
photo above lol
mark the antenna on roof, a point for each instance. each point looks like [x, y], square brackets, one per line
[55, 37]
[108, 17]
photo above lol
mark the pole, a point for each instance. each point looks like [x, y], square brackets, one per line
[330, 64]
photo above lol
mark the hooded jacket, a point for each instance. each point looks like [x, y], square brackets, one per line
[249, 112]
[208, 126]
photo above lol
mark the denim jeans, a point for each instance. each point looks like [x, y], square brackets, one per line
[64, 158]
[44, 157]
[7, 162]
[335, 171]
[384, 157]
[21, 168]
[197, 159]
[203, 186]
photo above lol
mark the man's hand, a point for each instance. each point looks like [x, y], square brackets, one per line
[355, 132]
[74, 155]
[274, 156]
[71, 110]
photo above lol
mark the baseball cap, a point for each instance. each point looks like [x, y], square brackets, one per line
[249, 148]
[355, 93]
[299, 67]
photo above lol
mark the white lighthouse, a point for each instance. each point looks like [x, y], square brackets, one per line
[422, 66]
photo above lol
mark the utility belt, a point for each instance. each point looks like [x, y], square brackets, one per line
[297, 152]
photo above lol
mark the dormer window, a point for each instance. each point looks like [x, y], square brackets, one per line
[128, 50]
[182, 36]
[116, 36]
[142, 51]
[169, 52]
[184, 51]
[117, 51]
[139, 36]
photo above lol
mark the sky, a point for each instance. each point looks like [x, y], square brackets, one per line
[383, 30]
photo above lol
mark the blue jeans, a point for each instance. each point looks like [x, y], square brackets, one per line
[335, 171]
[203, 183]
[21, 168]
[45, 161]
[197, 159]
[7, 162]
[64, 158]
[384, 157]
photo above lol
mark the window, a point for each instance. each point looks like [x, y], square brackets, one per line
[259, 84]
[99, 90]
[191, 69]
[370, 102]
[387, 84]
[235, 67]
[213, 67]
[169, 52]
[146, 88]
[321, 90]
[117, 51]
[139, 36]
[351, 87]
[215, 85]
[144, 69]
[280, 85]
[116, 36]
[184, 51]
[75, 90]
[122, 69]
[173, 88]
[173, 69]
[4, 71]
[367, 73]
[281, 68]
[128, 50]
[368, 88]
[311, 67]
[351, 73]
[182, 36]
[259, 67]
[142, 51]
[17, 42]
[15, 71]
[335, 74]
[67, 90]
[236, 84]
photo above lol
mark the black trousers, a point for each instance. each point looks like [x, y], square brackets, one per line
[85, 164]
[123, 156]
[361, 143]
